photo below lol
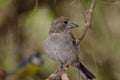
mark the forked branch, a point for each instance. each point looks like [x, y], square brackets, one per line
[88, 20]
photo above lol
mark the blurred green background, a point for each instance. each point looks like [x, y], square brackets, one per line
[24, 25]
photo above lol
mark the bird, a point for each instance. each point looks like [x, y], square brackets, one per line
[60, 45]
[28, 68]
[35, 59]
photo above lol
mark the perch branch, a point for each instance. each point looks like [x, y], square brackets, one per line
[88, 20]
[53, 76]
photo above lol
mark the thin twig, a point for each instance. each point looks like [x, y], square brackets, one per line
[83, 6]
[88, 20]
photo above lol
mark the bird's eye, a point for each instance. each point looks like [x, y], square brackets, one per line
[65, 22]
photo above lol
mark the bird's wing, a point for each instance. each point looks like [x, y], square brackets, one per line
[74, 41]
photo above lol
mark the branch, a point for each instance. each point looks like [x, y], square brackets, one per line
[88, 20]
[53, 76]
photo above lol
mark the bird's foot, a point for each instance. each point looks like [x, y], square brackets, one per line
[62, 69]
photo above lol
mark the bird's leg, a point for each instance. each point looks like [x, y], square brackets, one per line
[59, 68]
[67, 66]
[60, 71]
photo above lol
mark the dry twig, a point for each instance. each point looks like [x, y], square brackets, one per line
[63, 77]
[88, 20]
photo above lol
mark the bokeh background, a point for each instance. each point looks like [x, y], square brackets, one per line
[24, 25]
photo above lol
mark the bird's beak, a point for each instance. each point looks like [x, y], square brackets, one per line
[73, 25]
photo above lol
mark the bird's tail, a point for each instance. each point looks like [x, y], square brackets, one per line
[83, 71]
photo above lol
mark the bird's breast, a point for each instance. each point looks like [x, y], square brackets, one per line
[60, 47]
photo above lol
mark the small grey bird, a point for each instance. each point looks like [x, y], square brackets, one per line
[60, 45]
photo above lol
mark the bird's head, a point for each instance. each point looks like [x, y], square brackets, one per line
[36, 59]
[62, 24]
